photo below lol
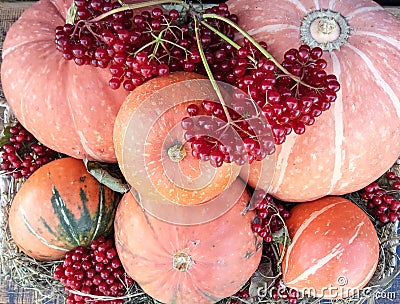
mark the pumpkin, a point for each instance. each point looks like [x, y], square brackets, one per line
[45, 90]
[334, 250]
[188, 263]
[150, 147]
[358, 138]
[59, 207]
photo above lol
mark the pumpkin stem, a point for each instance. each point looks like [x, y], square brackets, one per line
[326, 29]
[181, 261]
[176, 152]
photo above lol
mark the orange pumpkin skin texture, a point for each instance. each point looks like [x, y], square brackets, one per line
[45, 90]
[159, 138]
[357, 139]
[61, 206]
[334, 245]
[223, 253]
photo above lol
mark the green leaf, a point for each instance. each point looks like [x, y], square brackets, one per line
[281, 237]
[5, 136]
[102, 174]
[71, 13]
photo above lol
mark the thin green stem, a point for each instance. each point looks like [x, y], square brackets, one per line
[257, 45]
[145, 46]
[248, 37]
[225, 38]
[126, 7]
[208, 70]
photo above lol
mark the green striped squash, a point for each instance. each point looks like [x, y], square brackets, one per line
[61, 206]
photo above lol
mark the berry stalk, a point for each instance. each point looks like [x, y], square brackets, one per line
[208, 70]
[253, 42]
[124, 7]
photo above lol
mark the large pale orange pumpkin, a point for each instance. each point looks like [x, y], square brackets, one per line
[185, 264]
[358, 139]
[60, 207]
[69, 108]
[334, 250]
[151, 150]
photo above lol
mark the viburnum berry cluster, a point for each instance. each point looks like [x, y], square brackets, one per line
[276, 99]
[270, 216]
[212, 138]
[138, 47]
[383, 200]
[92, 272]
[21, 153]
[267, 106]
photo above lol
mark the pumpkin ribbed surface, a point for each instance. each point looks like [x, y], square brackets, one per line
[143, 151]
[358, 139]
[61, 206]
[187, 264]
[43, 89]
[334, 249]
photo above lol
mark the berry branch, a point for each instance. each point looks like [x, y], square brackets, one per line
[281, 97]
[256, 44]
[208, 70]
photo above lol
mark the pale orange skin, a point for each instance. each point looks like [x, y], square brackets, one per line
[224, 253]
[32, 205]
[155, 154]
[357, 139]
[43, 89]
[343, 235]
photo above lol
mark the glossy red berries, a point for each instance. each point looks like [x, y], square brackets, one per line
[94, 271]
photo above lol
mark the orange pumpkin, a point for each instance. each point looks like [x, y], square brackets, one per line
[59, 207]
[188, 263]
[151, 150]
[358, 139]
[43, 89]
[334, 250]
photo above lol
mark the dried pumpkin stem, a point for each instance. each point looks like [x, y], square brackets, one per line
[181, 261]
[176, 152]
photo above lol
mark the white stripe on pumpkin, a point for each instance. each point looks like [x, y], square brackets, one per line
[299, 5]
[40, 238]
[282, 160]
[319, 263]
[362, 10]
[379, 79]
[356, 234]
[331, 4]
[339, 128]
[385, 39]
[304, 226]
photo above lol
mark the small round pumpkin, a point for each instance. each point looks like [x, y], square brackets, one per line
[59, 207]
[184, 264]
[358, 139]
[334, 250]
[150, 146]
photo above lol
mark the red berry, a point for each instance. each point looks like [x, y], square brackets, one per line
[396, 185]
[372, 187]
[391, 175]
[384, 218]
